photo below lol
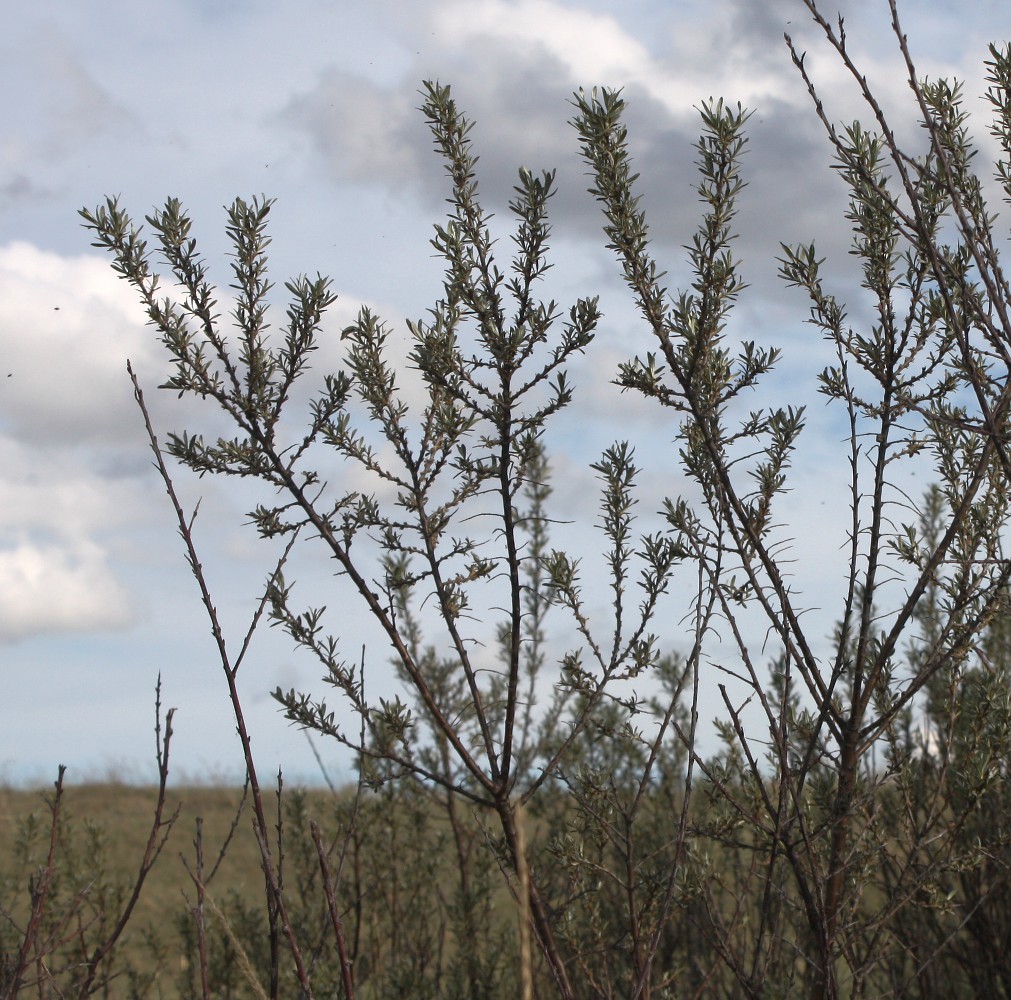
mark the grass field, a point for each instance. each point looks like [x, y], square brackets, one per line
[121, 816]
[104, 831]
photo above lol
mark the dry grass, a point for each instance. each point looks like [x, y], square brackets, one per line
[121, 816]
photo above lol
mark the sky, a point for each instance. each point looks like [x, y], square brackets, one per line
[315, 104]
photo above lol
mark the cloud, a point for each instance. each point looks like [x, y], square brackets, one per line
[515, 63]
[65, 106]
[356, 128]
[67, 326]
[585, 45]
[65, 587]
[71, 441]
[514, 66]
[19, 188]
[56, 569]
[79, 504]
[85, 107]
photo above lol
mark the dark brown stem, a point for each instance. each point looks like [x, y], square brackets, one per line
[158, 835]
[230, 668]
[329, 890]
[39, 891]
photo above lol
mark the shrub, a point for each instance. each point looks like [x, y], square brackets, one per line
[832, 848]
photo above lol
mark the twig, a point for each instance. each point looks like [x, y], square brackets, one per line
[329, 888]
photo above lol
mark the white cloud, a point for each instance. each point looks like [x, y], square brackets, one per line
[57, 513]
[590, 46]
[60, 587]
[70, 441]
[76, 487]
[702, 58]
[67, 326]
